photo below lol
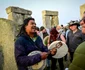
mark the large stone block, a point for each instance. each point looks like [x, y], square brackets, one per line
[50, 18]
[46, 22]
[7, 59]
[50, 13]
[18, 10]
[26, 16]
[82, 9]
[1, 58]
[16, 18]
[17, 14]
[55, 21]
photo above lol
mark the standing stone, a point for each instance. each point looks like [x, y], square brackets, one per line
[26, 16]
[7, 59]
[56, 22]
[16, 18]
[1, 58]
[53, 18]
[82, 9]
[52, 22]
[46, 22]
[18, 15]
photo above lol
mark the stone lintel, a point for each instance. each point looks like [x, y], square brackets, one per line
[50, 13]
[18, 10]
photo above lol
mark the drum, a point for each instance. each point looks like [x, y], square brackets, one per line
[45, 40]
[40, 65]
[61, 48]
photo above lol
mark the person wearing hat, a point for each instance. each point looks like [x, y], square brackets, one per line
[74, 38]
[78, 62]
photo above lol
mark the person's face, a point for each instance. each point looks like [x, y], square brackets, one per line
[44, 30]
[31, 27]
[58, 27]
[83, 26]
[82, 22]
[73, 27]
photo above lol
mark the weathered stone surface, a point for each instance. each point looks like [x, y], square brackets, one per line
[17, 15]
[50, 13]
[55, 21]
[46, 22]
[16, 18]
[26, 16]
[50, 18]
[18, 10]
[7, 45]
[82, 9]
[1, 58]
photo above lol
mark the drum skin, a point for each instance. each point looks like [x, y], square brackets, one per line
[78, 62]
[61, 52]
[40, 65]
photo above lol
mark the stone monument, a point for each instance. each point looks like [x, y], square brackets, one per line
[50, 18]
[18, 15]
[7, 59]
[82, 10]
[9, 28]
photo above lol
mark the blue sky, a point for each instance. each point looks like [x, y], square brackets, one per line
[68, 9]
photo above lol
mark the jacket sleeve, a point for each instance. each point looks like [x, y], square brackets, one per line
[21, 56]
[45, 49]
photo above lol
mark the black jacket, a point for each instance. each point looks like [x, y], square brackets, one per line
[74, 39]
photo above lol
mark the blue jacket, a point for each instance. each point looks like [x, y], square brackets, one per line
[23, 46]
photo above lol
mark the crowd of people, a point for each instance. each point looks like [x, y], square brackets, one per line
[30, 38]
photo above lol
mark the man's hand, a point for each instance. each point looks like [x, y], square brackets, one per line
[44, 55]
[53, 51]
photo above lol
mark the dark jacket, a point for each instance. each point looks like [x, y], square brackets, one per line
[23, 46]
[74, 39]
